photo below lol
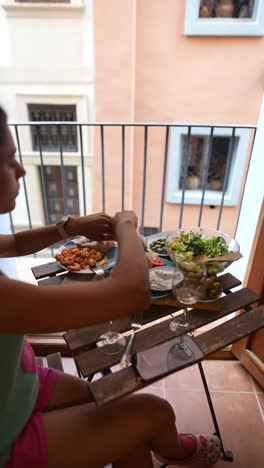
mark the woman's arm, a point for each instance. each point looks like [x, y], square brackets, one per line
[30, 309]
[95, 226]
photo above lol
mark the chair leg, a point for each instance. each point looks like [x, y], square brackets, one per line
[228, 455]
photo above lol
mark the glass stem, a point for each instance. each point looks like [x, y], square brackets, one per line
[110, 327]
[184, 317]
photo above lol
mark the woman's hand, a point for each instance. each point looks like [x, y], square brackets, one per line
[124, 218]
[97, 226]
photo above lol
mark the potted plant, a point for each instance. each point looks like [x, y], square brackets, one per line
[225, 8]
[192, 179]
[207, 8]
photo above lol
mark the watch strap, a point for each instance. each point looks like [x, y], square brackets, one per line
[60, 227]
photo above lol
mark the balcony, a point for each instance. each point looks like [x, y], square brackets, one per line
[171, 176]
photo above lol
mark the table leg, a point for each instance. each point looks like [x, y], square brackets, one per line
[104, 373]
[228, 455]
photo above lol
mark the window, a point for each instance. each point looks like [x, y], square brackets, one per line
[226, 9]
[53, 192]
[43, 8]
[224, 17]
[196, 170]
[51, 136]
[42, 1]
[205, 165]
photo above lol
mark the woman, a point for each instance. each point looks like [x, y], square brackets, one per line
[48, 419]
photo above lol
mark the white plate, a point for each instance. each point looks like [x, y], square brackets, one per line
[153, 238]
[160, 294]
[165, 269]
[111, 254]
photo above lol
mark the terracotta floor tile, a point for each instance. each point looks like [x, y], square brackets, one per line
[260, 398]
[256, 386]
[227, 376]
[154, 391]
[238, 416]
[220, 375]
[159, 384]
[191, 409]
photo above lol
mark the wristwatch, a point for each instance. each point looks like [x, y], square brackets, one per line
[60, 227]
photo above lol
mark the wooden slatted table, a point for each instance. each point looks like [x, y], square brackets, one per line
[90, 360]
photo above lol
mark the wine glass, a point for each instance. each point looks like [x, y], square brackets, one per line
[110, 342]
[188, 285]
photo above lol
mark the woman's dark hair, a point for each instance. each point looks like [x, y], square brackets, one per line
[3, 122]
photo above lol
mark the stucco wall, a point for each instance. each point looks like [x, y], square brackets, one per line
[47, 57]
[147, 70]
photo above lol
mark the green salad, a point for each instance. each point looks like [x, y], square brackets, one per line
[186, 247]
[190, 245]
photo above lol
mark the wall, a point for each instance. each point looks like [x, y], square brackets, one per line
[47, 56]
[114, 32]
[146, 62]
[146, 70]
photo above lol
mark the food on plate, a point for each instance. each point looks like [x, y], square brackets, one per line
[159, 246]
[99, 246]
[160, 279]
[144, 241]
[190, 245]
[153, 260]
[76, 258]
[187, 246]
[208, 285]
[213, 288]
[103, 262]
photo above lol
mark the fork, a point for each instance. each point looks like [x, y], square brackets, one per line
[99, 272]
[126, 358]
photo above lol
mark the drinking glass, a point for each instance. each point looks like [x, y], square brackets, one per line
[110, 342]
[188, 285]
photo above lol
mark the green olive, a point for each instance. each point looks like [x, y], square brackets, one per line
[209, 282]
[198, 275]
[188, 280]
[212, 293]
[190, 274]
[212, 270]
[188, 266]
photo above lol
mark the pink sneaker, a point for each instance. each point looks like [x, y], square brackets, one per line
[206, 453]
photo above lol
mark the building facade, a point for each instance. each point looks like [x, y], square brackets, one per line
[133, 61]
[47, 73]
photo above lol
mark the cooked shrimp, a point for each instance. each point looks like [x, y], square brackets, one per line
[74, 267]
[68, 260]
[91, 262]
[77, 258]
[74, 250]
[59, 258]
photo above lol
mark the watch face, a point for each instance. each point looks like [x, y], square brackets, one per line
[63, 220]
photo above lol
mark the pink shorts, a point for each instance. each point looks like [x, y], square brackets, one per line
[30, 449]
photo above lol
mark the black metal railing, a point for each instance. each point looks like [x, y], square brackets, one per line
[146, 131]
